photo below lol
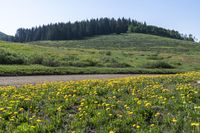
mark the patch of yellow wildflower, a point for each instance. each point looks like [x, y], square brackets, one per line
[132, 104]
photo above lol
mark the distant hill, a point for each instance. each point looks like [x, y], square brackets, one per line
[2, 35]
[5, 37]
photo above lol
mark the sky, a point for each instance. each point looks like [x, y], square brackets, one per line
[181, 15]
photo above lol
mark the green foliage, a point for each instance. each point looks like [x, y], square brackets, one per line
[7, 57]
[158, 64]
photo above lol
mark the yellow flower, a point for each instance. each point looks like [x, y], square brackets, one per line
[157, 114]
[1, 109]
[38, 120]
[107, 109]
[137, 126]
[139, 102]
[152, 125]
[32, 126]
[147, 104]
[196, 107]
[195, 124]
[130, 113]
[15, 113]
[174, 120]
[21, 109]
[59, 108]
[111, 131]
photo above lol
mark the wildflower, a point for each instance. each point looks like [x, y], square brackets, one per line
[134, 125]
[59, 108]
[137, 126]
[1, 109]
[130, 113]
[107, 109]
[147, 104]
[152, 125]
[38, 120]
[15, 113]
[111, 131]
[107, 105]
[157, 114]
[139, 102]
[32, 126]
[195, 124]
[196, 107]
[174, 120]
[21, 109]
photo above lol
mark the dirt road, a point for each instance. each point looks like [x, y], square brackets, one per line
[19, 80]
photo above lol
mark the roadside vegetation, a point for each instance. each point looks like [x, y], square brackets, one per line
[167, 103]
[124, 53]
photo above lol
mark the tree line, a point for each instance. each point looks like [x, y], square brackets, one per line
[92, 27]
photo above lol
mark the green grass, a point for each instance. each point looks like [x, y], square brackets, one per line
[103, 54]
[14, 70]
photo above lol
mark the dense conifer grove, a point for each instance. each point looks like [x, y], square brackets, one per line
[92, 27]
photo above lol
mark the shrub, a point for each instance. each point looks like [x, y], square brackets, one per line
[159, 64]
[7, 57]
[85, 63]
[154, 57]
[36, 59]
[50, 61]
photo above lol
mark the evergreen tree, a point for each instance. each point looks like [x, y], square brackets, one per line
[87, 28]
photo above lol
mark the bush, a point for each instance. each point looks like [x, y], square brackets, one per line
[159, 64]
[36, 59]
[86, 63]
[52, 62]
[154, 57]
[7, 57]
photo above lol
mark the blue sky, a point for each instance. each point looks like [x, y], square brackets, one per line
[181, 15]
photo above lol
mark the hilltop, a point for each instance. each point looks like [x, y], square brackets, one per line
[124, 53]
[89, 28]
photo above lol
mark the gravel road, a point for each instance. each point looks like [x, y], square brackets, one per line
[19, 80]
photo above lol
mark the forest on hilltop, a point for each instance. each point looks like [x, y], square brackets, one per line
[92, 27]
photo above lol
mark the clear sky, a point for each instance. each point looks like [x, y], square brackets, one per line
[181, 15]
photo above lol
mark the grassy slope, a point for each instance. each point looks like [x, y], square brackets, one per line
[126, 53]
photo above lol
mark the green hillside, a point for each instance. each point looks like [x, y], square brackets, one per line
[5, 37]
[2, 36]
[124, 53]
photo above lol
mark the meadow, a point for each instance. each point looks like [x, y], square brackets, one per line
[124, 53]
[163, 103]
